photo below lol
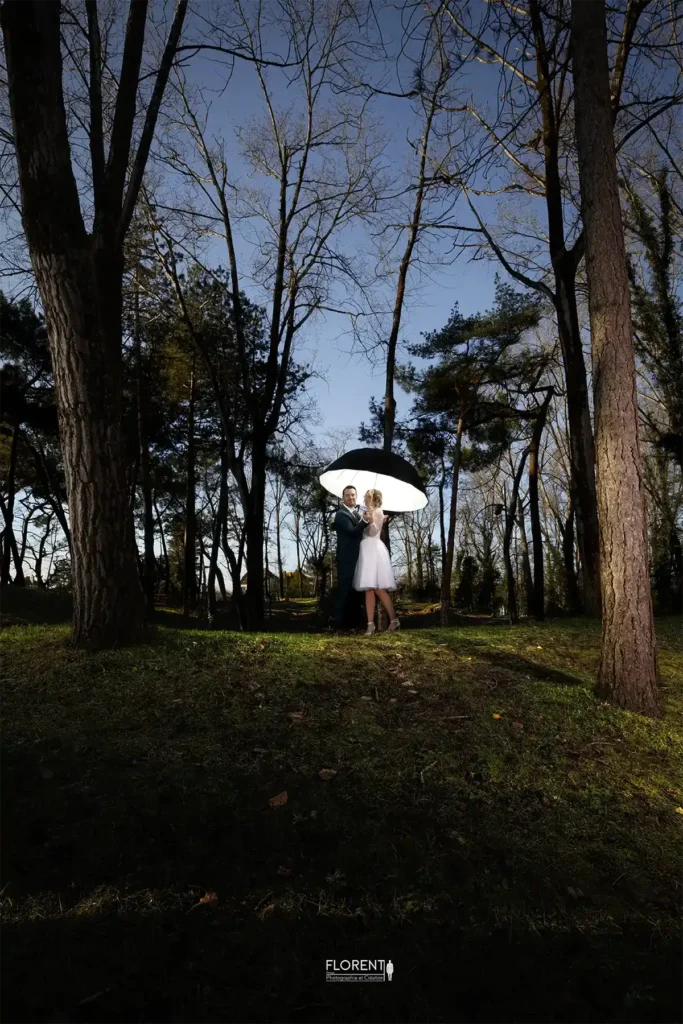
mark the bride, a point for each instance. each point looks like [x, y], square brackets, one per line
[374, 574]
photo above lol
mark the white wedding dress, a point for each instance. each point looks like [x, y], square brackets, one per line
[373, 568]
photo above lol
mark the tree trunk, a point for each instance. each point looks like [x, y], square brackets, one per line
[9, 541]
[513, 614]
[538, 599]
[628, 666]
[190, 539]
[149, 559]
[254, 604]
[447, 570]
[297, 538]
[235, 564]
[41, 552]
[571, 589]
[278, 529]
[266, 564]
[565, 264]
[164, 551]
[526, 564]
[221, 514]
[581, 443]
[409, 561]
[442, 516]
[82, 309]
[19, 564]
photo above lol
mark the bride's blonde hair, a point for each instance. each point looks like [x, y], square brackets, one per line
[375, 498]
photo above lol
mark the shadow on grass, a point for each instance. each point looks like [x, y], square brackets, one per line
[125, 849]
[515, 663]
[202, 966]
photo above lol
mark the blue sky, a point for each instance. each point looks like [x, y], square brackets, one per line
[350, 378]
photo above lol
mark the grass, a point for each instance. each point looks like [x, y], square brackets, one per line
[510, 842]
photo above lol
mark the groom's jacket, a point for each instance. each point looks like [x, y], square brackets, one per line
[349, 529]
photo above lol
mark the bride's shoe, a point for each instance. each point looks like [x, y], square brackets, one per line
[393, 626]
[370, 630]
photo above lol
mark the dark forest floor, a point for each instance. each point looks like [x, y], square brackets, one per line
[511, 843]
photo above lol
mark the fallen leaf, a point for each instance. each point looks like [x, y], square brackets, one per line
[679, 810]
[327, 773]
[392, 700]
[518, 725]
[412, 691]
[260, 750]
[296, 716]
[279, 800]
[366, 698]
[497, 716]
[283, 871]
[209, 897]
[268, 910]
[574, 893]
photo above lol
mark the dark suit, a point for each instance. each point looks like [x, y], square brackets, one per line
[349, 526]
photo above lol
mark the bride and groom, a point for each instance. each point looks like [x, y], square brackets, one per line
[363, 561]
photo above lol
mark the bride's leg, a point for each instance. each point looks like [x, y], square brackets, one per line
[370, 605]
[387, 602]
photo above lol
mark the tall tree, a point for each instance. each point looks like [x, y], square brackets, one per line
[319, 171]
[478, 358]
[79, 275]
[628, 665]
[529, 139]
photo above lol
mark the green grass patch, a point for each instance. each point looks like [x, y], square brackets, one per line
[509, 841]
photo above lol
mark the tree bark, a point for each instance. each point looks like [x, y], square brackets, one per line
[581, 442]
[164, 551]
[565, 264]
[538, 594]
[297, 539]
[447, 570]
[190, 539]
[513, 613]
[278, 531]
[254, 601]
[9, 541]
[526, 564]
[628, 673]
[149, 559]
[221, 514]
[79, 278]
[41, 552]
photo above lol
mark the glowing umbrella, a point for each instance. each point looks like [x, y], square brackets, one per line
[371, 468]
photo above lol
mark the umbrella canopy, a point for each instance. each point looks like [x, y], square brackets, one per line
[371, 468]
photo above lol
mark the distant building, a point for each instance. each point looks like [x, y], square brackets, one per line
[271, 584]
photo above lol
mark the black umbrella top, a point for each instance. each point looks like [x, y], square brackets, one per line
[400, 483]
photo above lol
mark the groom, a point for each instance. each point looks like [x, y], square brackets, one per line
[349, 526]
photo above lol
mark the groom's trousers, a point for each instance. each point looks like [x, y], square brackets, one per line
[344, 591]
